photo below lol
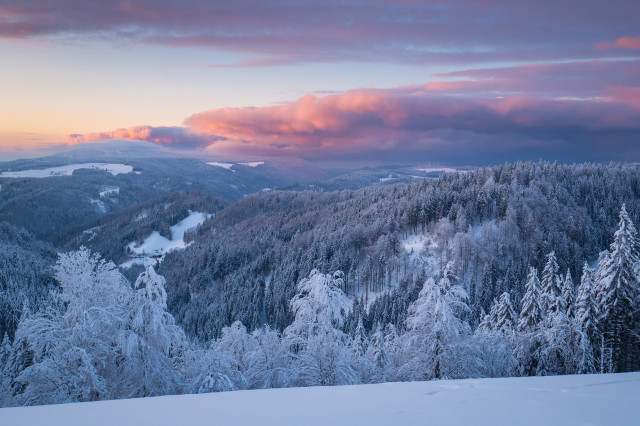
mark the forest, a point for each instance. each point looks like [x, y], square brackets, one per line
[512, 270]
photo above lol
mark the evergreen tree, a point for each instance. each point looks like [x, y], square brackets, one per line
[378, 355]
[551, 286]
[485, 322]
[586, 313]
[359, 343]
[567, 295]
[531, 313]
[619, 285]
[585, 318]
[600, 282]
[505, 315]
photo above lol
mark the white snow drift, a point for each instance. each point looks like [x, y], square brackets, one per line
[608, 399]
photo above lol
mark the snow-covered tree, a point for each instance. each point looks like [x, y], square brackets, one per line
[359, 346]
[567, 295]
[376, 352]
[492, 355]
[586, 309]
[619, 287]
[319, 305]
[551, 286]
[531, 313]
[325, 361]
[74, 348]
[585, 318]
[6, 352]
[505, 315]
[434, 332]
[152, 344]
[485, 321]
[269, 361]
[223, 366]
[557, 352]
[315, 336]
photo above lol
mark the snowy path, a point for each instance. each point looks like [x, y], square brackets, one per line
[611, 399]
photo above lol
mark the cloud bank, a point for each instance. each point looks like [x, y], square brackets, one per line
[586, 110]
[285, 31]
[167, 136]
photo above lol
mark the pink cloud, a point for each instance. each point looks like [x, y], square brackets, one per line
[559, 109]
[623, 42]
[395, 121]
[168, 136]
[628, 42]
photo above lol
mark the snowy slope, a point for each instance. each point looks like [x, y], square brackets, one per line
[114, 169]
[611, 399]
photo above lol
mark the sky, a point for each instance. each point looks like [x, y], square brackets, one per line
[455, 82]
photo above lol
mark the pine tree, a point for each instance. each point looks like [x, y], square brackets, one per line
[359, 343]
[551, 286]
[619, 288]
[585, 318]
[567, 295]
[5, 351]
[600, 280]
[531, 313]
[377, 348]
[485, 321]
[586, 314]
[505, 315]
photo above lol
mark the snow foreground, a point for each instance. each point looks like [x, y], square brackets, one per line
[114, 169]
[568, 400]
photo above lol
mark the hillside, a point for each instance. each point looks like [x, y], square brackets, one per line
[606, 399]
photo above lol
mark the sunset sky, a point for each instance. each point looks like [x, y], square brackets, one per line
[459, 82]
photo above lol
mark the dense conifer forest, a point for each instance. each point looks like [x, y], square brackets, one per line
[512, 270]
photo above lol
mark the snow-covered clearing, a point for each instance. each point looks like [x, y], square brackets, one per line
[114, 169]
[110, 190]
[155, 245]
[423, 251]
[223, 165]
[229, 166]
[437, 169]
[609, 399]
[253, 163]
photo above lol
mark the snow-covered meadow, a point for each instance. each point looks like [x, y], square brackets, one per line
[114, 169]
[608, 399]
[155, 245]
[229, 166]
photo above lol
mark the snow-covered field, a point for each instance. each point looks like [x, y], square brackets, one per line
[155, 245]
[437, 169]
[229, 166]
[223, 165]
[253, 163]
[609, 399]
[114, 169]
